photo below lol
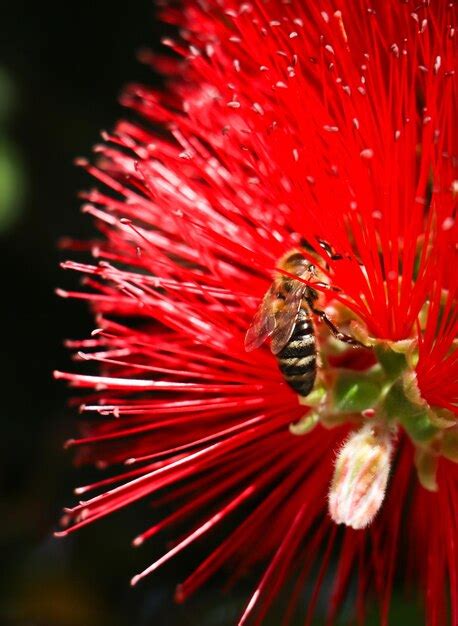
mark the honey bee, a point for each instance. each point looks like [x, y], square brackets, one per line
[284, 316]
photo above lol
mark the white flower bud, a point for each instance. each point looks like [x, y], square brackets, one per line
[360, 476]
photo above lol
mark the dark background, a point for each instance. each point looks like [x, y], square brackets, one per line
[61, 70]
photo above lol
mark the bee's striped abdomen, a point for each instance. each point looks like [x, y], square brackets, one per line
[297, 360]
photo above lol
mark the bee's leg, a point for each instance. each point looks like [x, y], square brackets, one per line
[330, 287]
[335, 331]
[332, 254]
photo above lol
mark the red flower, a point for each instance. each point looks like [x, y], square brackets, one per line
[293, 126]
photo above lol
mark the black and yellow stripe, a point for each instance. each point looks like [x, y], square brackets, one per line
[297, 360]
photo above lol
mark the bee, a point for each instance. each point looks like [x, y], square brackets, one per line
[284, 316]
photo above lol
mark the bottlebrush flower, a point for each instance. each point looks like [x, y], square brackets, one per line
[326, 129]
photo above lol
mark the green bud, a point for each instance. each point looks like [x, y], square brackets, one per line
[392, 362]
[355, 391]
[415, 418]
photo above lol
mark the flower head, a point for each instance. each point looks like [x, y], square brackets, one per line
[305, 129]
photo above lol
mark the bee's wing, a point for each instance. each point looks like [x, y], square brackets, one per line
[263, 324]
[286, 318]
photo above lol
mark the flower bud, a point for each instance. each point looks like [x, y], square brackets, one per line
[360, 476]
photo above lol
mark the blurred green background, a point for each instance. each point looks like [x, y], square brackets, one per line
[60, 73]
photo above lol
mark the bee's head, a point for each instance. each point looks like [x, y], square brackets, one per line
[312, 270]
[295, 263]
